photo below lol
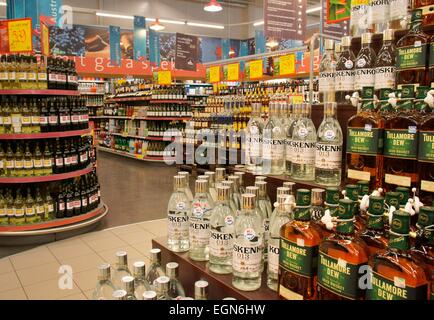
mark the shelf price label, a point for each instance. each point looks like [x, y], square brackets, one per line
[233, 72]
[20, 35]
[214, 74]
[287, 64]
[255, 69]
[164, 77]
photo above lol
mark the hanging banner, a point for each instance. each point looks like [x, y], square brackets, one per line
[233, 73]
[139, 41]
[154, 47]
[226, 45]
[287, 65]
[337, 29]
[339, 10]
[186, 52]
[45, 40]
[256, 69]
[259, 41]
[285, 19]
[48, 8]
[244, 51]
[115, 44]
[214, 74]
[16, 36]
[164, 77]
[16, 9]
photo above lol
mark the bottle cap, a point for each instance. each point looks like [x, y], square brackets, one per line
[162, 284]
[155, 255]
[211, 176]
[254, 190]
[329, 44]
[416, 15]
[128, 284]
[363, 187]
[139, 269]
[283, 190]
[201, 289]
[235, 180]
[352, 191]
[220, 174]
[345, 210]
[119, 294]
[203, 177]
[317, 196]
[229, 184]
[404, 195]
[290, 185]
[223, 192]
[392, 199]
[122, 258]
[332, 195]
[338, 47]
[303, 197]
[241, 175]
[281, 198]
[184, 174]
[201, 186]
[260, 178]
[229, 298]
[262, 185]
[149, 295]
[104, 271]
[400, 222]
[426, 217]
[376, 205]
[346, 41]
[248, 200]
[179, 181]
[388, 34]
[366, 37]
[172, 270]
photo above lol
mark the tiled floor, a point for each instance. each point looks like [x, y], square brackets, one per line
[34, 274]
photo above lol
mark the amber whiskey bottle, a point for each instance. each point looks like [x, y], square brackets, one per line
[298, 258]
[364, 158]
[331, 204]
[425, 160]
[396, 274]
[411, 60]
[341, 257]
[431, 63]
[373, 233]
[427, 7]
[400, 144]
[352, 193]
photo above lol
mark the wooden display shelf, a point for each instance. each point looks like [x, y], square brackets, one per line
[53, 225]
[126, 99]
[220, 286]
[48, 92]
[92, 93]
[177, 101]
[53, 177]
[132, 156]
[44, 135]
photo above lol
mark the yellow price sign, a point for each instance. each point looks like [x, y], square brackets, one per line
[355, 3]
[297, 98]
[287, 64]
[214, 74]
[233, 72]
[256, 69]
[164, 77]
[45, 38]
[20, 35]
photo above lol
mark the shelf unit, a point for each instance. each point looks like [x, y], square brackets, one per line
[129, 155]
[92, 93]
[142, 118]
[47, 92]
[45, 135]
[152, 138]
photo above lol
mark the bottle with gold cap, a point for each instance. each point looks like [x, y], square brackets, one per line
[396, 274]
[220, 175]
[208, 193]
[212, 187]
[236, 196]
[201, 289]
[232, 204]
[241, 188]
[299, 243]
[155, 270]
[273, 144]
[199, 218]
[121, 269]
[248, 247]
[162, 288]
[128, 286]
[187, 189]
[264, 203]
[327, 72]
[341, 257]
[177, 217]
[104, 287]
[281, 191]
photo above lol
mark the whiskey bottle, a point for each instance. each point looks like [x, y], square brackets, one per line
[344, 80]
[400, 144]
[248, 247]
[222, 233]
[60, 203]
[273, 144]
[331, 206]
[340, 258]
[327, 72]
[281, 218]
[121, 269]
[48, 160]
[177, 217]
[104, 287]
[385, 64]
[253, 141]
[364, 68]
[299, 243]
[426, 159]
[140, 284]
[317, 209]
[176, 290]
[364, 143]
[328, 157]
[396, 274]
[411, 61]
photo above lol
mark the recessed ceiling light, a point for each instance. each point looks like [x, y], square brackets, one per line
[204, 25]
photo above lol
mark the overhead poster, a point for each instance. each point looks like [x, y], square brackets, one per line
[285, 19]
[186, 54]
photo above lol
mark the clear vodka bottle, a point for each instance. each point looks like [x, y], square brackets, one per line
[104, 287]
[303, 146]
[236, 196]
[327, 72]
[199, 229]
[255, 190]
[282, 217]
[149, 295]
[279, 191]
[328, 157]
[141, 285]
[241, 188]
[232, 203]
[253, 140]
[121, 269]
[162, 288]
[177, 217]
[222, 233]
[359, 18]
[248, 247]
[176, 290]
[289, 128]
[220, 175]
[155, 269]
[187, 189]
[119, 295]
[128, 286]
[212, 186]
[201, 290]
[206, 177]
[378, 15]
[265, 208]
[273, 144]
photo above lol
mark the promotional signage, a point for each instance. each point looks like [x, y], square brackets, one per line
[214, 74]
[154, 47]
[226, 46]
[285, 19]
[164, 77]
[337, 29]
[337, 10]
[16, 36]
[186, 53]
[287, 64]
[115, 44]
[233, 72]
[139, 38]
[255, 69]
[45, 40]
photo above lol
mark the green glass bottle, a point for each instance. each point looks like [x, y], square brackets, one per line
[31, 216]
[28, 162]
[18, 170]
[19, 209]
[39, 206]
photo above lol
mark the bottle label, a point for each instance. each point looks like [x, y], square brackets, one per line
[400, 143]
[65, 119]
[344, 79]
[328, 156]
[426, 146]
[84, 202]
[364, 140]
[3, 213]
[10, 212]
[385, 78]
[77, 204]
[378, 11]
[326, 81]
[7, 120]
[199, 232]
[37, 163]
[59, 162]
[35, 119]
[18, 164]
[298, 258]
[12, 75]
[74, 160]
[273, 258]
[61, 78]
[40, 210]
[177, 223]
[22, 76]
[30, 211]
[221, 244]
[50, 207]
[288, 153]
[52, 119]
[83, 157]
[9, 164]
[247, 256]
[19, 212]
[31, 76]
[303, 152]
[394, 289]
[42, 76]
[426, 185]
[67, 161]
[61, 206]
[3, 76]
[75, 118]
[43, 120]
[339, 276]
[25, 120]
[411, 57]
[398, 9]
[289, 294]
[254, 142]
[273, 149]
[364, 77]
[70, 205]
[52, 77]
[47, 163]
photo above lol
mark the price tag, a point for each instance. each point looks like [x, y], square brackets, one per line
[255, 69]
[297, 98]
[355, 3]
[233, 72]
[214, 74]
[20, 35]
[287, 64]
[164, 77]
[45, 39]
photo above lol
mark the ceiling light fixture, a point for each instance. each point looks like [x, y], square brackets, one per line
[110, 15]
[213, 6]
[3, 4]
[314, 9]
[212, 26]
[157, 26]
[231, 51]
[258, 23]
[272, 43]
[172, 21]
